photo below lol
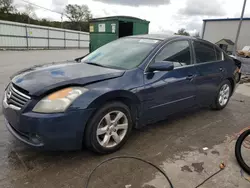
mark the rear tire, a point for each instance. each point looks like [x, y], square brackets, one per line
[109, 128]
[238, 154]
[223, 95]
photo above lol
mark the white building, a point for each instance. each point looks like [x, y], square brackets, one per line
[214, 30]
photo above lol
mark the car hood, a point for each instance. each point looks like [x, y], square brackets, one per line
[42, 78]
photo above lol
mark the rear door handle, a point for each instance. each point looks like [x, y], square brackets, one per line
[221, 69]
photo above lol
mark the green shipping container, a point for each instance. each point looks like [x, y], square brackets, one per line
[107, 29]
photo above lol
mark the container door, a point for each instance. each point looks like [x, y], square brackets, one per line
[125, 29]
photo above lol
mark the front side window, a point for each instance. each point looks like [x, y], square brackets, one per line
[204, 52]
[125, 53]
[177, 52]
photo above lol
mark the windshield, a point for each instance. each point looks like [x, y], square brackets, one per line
[125, 53]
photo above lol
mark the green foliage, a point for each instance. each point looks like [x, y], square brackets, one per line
[182, 32]
[78, 16]
[77, 13]
[6, 6]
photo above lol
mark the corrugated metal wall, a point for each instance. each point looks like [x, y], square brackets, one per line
[227, 29]
[15, 35]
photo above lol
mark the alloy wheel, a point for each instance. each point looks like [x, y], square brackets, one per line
[112, 129]
[224, 94]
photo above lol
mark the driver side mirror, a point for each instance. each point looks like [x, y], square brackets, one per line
[161, 66]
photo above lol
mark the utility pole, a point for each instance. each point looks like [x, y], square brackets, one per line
[62, 20]
[239, 28]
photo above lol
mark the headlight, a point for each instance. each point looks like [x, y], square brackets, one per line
[59, 101]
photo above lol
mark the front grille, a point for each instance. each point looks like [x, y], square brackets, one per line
[15, 97]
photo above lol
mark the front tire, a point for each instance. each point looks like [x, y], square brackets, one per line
[222, 96]
[109, 128]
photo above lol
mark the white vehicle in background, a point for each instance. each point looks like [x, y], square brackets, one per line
[245, 52]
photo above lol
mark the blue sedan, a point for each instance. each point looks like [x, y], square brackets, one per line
[96, 100]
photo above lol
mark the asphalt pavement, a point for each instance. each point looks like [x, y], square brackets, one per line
[13, 61]
[188, 147]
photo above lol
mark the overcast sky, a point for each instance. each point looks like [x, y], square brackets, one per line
[166, 16]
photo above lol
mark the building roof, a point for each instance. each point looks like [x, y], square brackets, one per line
[118, 18]
[227, 41]
[225, 19]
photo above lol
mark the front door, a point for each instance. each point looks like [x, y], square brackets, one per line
[167, 92]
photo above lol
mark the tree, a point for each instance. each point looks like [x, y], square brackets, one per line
[77, 13]
[6, 6]
[79, 20]
[182, 32]
[30, 11]
[197, 35]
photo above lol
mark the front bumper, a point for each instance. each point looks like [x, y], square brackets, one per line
[61, 131]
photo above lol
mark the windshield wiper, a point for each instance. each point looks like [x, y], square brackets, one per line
[110, 67]
[96, 64]
[180, 63]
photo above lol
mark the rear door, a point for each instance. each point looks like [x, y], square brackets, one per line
[210, 65]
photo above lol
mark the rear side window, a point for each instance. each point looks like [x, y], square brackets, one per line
[204, 52]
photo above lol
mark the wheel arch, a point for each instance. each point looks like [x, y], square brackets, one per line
[126, 97]
[231, 80]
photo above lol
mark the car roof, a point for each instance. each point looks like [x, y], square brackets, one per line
[162, 37]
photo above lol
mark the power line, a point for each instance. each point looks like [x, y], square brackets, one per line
[61, 13]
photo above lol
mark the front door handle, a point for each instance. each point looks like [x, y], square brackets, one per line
[190, 77]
